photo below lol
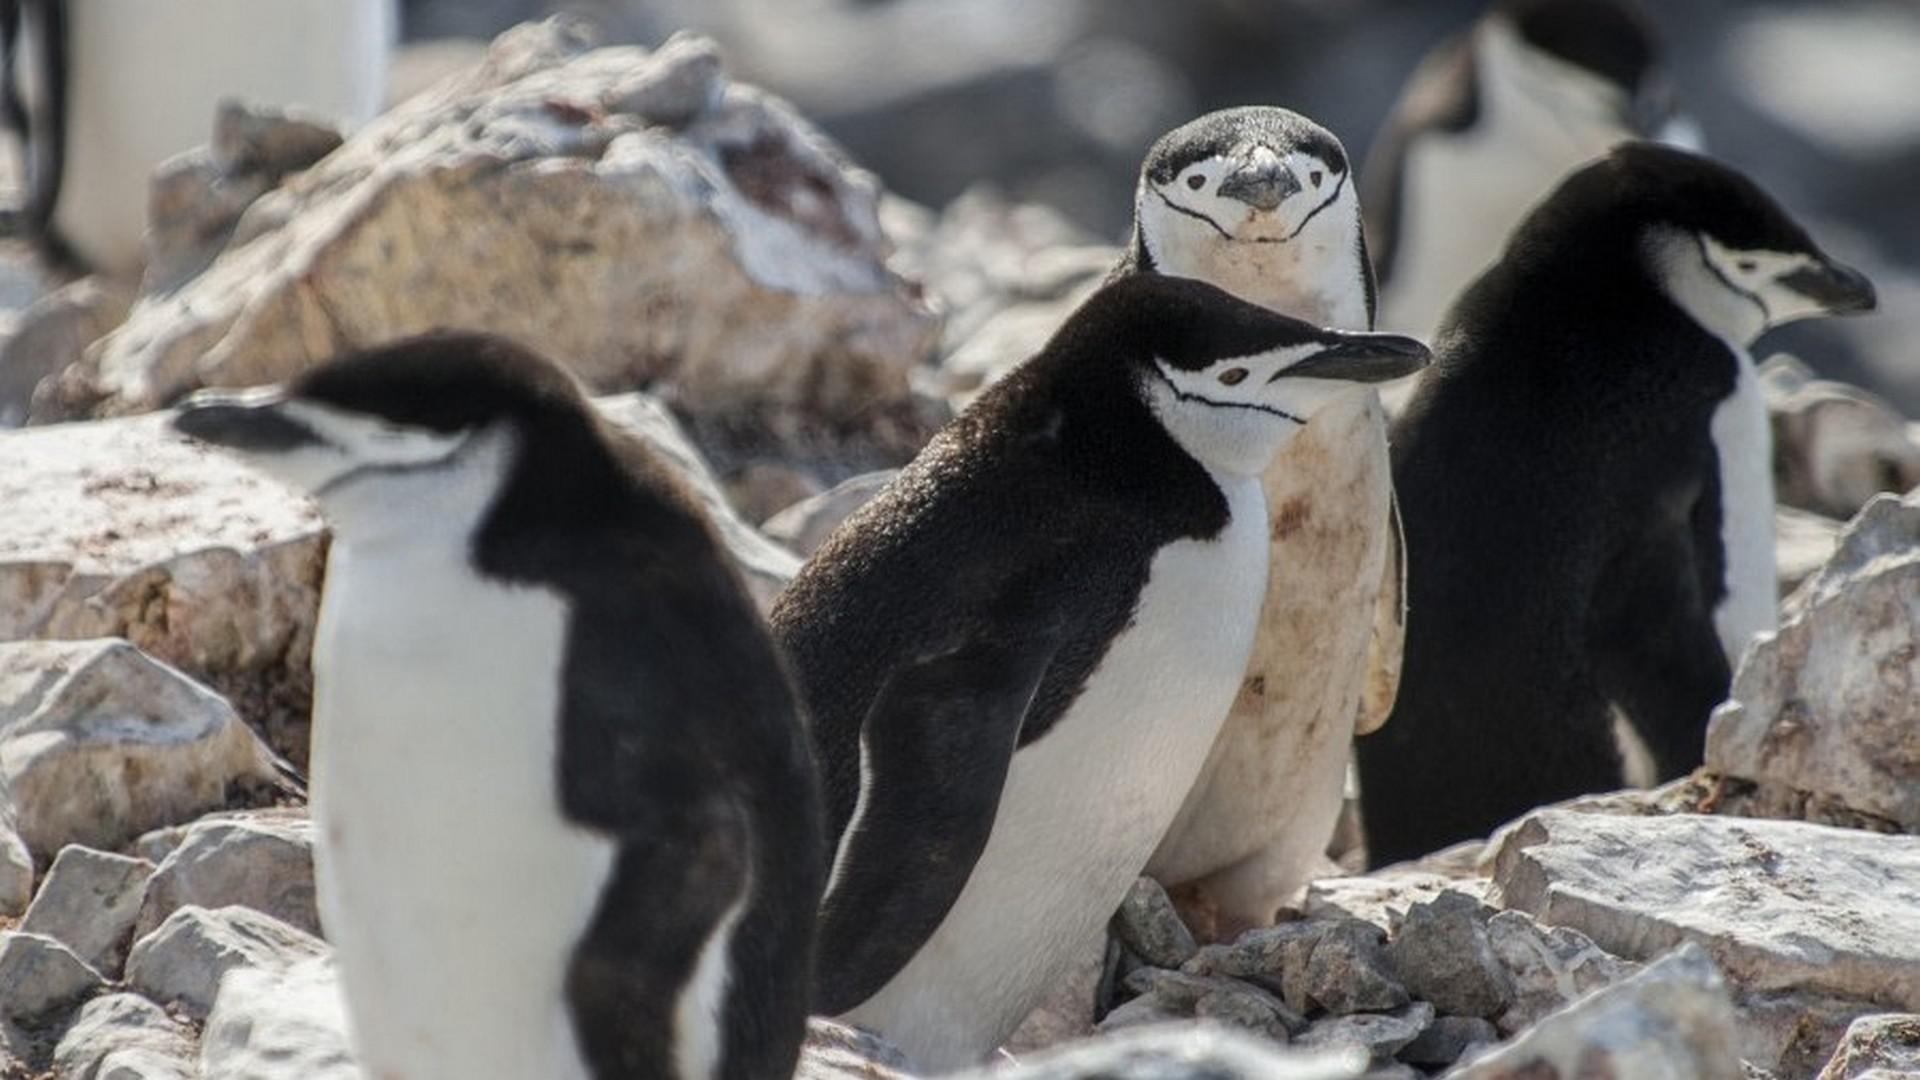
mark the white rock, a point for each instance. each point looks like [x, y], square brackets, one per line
[805, 525]
[100, 742]
[1549, 967]
[1194, 1051]
[1831, 703]
[89, 903]
[1779, 904]
[1382, 897]
[261, 863]
[838, 1052]
[705, 235]
[16, 862]
[184, 960]
[279, 1024]
[1672, 1021]
[1883, 1047]
[40, 976]
[124, 1037]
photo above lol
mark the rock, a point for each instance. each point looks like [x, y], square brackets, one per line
[1349, 972]
[837, 1052]
[1230, 1001]
[1258, 955]
[1442, 954]
[1383, 897]
[719, 246]
[1447, 1039]
[16, 862]
[53, 333]
[1802, 542]
[279, 1023]
[1793, 1032]
[1176, 1052]
[1835, 446]
[1548, 967]
[39, 976]
[1830, 705]
[1672, 1020]
[102, 742]
[1139, 1012]
[1779, 905]
[1147, 924]
[763, 488]
[89, 903]
[124, 1037]
[1068, 1010]
[1379, 1035]
[263, 864]
[1884, 1047]
[123, 529]
[805, 525]
[184, 959]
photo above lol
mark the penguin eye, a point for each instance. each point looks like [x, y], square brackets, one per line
[1233, 376]
[1196, 181]
[1315, 176]
[1747, 266]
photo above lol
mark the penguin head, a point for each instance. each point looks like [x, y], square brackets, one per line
[1230, 381]
[1710, 239]
[415, 437]
[1254, 199]
[1593, 65]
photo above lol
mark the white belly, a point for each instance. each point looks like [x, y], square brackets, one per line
[1744, 442]
[449, 883]
[145, 77]
[1256, 825]
[1085, 804]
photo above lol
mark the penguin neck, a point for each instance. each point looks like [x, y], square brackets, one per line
[1317, 276]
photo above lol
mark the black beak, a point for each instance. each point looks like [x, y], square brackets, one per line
[1842, 290]
[252, 428]
[1362, 358]
[1262, 187]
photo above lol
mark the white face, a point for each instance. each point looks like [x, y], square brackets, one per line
[1234, 415]
[1736, 293]
[1277, 227]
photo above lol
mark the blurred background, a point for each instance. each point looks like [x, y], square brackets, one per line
[1054, 101]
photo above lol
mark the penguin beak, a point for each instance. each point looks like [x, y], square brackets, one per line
[1840, 290]
[1361, 358]
[250, 422]
[1263, 182]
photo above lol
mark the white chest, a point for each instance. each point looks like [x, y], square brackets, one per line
[448, 880]
[1744, 442]
[1315, 276]
[1085, 804]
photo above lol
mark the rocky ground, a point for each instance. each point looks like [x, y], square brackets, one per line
[762, 313]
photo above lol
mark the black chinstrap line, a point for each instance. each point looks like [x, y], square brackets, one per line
[1297, 229]
[1182, 395]
[1700, 243]
[1177, 208]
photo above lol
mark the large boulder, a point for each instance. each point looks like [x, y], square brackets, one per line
[264, 863]
[279, 1023]
[635, 214]
[183, 962]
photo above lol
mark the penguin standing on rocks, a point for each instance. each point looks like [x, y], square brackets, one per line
[1585, 481]
[1262, 202]
[100, 92]
[567, 817]
[1485, 128]
[1017, 655]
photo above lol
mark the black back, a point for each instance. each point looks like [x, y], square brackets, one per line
[680, 735]
[1559, 487]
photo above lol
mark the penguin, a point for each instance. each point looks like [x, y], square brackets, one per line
[1584, 477]
[100, 93]
[1016, 655]
[1262, 202]
[1488, 124]
[567, 820]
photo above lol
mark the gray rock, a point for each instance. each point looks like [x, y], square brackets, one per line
[279, 1023]
[185, 958]
[16, 862]
[1831, 704]
[805, 525]
[1230, 1001]
[264, 864]
[1446, 1039]
[1177, 1052]
[52, 333]
[1140, 1012]
[1548, 967]
[1779, 905]
[1793, 1032]
[40, 976]
[89, 903]
[1383, 897]
[1883, 1047]
[1147, 924]
[124, 1037]
[1258, 955]
[100, 742]
[1442, 954]
[1835, 446]
[837, 1052]
[1348, 971]
[1378, 1035]
[1671, 1020]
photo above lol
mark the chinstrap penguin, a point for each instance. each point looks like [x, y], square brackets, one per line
[1487, 125]
[1262, 202]
[1017, 655]
[101, 92]
[1585, 481]
[567, 819]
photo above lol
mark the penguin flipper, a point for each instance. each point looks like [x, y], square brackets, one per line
[935, 750]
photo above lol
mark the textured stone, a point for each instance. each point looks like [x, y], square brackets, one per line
[1548, 967]
[1382, 897]
[185, 958]
[805, 525]
[1830, 705]
[1442, 954]
[263, 864]
[1883, 1047]
[838, 1052]
[52, 333]
[16, 862]
[40, 976]
[1348, 971]
[1671, 1021]
[89, 903]
[1802, 543]
[1259, 955]
[1176, 1052]
[1779, 905]
[1447, 1039]
[1147, 924]
[124, 1037]
[1835, 446]
[279, 1023]
[1793, 1032]
[1230, 1001]
[1378, 1035]
[100, 742]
